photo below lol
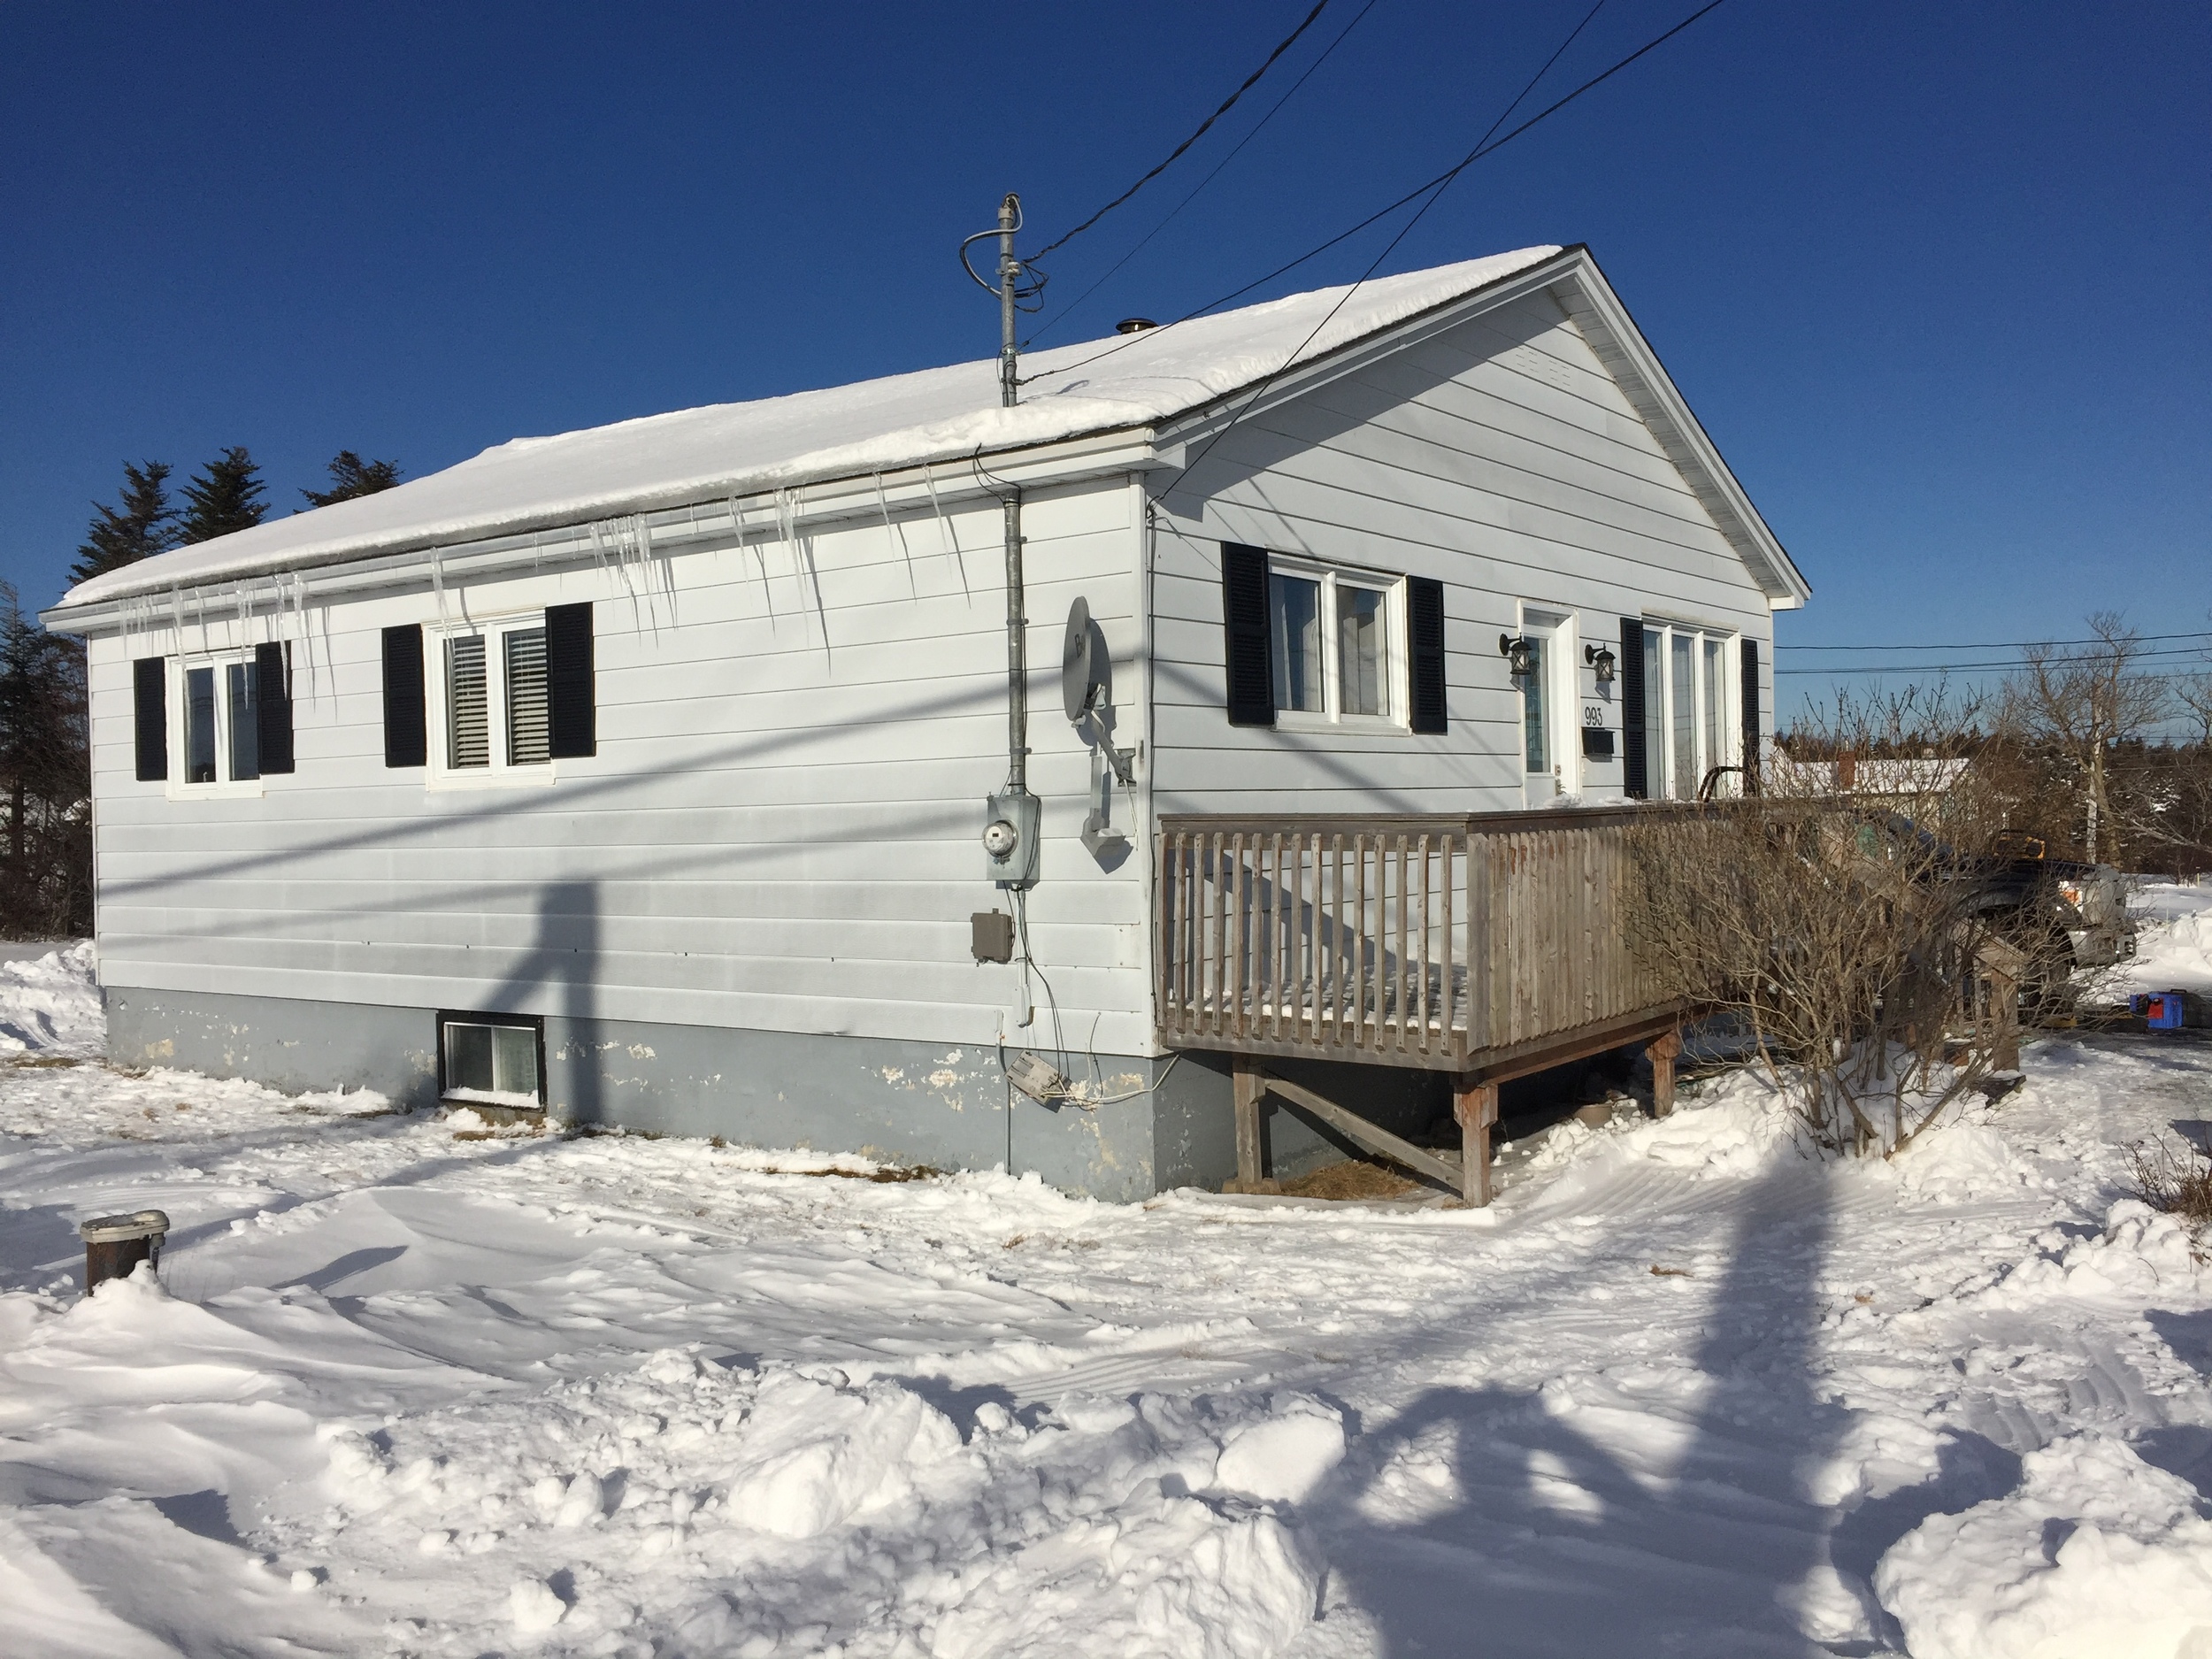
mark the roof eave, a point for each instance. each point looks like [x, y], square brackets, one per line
[824, 497]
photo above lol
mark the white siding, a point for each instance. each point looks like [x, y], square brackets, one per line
[1499, 457]
[772, 835]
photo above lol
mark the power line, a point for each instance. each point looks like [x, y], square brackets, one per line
[1443, 184]
[1074, 305]
[1227, 104]
[1988, 645]
[1445, 177]
[2000, 664]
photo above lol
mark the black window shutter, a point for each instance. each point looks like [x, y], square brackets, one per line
[1636, 779]
[273, 720]
[568, 681]
[1751, 717]
[406, 735]
[1244, 618]
[150, 693]
[1424, 622]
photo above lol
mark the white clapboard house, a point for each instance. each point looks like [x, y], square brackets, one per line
[640, 775]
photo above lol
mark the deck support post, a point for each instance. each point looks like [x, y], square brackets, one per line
[1249, 1081]
[1475, 1106]
[1663, 1049]
[2004, 1012]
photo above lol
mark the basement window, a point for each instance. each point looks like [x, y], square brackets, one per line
[492, 1059]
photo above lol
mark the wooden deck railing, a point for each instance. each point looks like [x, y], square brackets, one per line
[1439, 943]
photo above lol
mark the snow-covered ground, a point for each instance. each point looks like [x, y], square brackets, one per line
[410, 1385]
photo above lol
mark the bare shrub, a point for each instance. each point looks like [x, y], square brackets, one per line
[1844, 916]
[2174, 1178]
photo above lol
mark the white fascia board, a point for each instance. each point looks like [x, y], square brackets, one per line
[1597, 311]
[1179, 437]
[723, 521]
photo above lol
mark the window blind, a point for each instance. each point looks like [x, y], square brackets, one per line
[529, 726]
[468, 712]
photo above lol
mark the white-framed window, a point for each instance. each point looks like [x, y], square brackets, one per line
[490, 703]
[216, 746]
[1336, 645]
[492, 1059]
[1690, 724]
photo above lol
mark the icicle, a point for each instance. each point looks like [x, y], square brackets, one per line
[437, 580]
[803, 549]
[176, 613]
[737, 518]
[947, 536]
[893, 533]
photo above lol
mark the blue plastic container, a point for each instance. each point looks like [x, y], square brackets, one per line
[2161, 1010]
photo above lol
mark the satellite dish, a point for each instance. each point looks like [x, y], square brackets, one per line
[1086, 670]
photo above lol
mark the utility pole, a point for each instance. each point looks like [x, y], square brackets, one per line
[1014, 818]
[1010, 218]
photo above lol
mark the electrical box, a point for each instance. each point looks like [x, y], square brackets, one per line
[1037, 1077]
[1013, 825]
[994, 931]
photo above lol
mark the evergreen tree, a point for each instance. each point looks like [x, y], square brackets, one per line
[45, 779]
[144, 524]
[351, 476]
[225, 496]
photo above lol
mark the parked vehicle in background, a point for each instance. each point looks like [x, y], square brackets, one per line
[2087, 902]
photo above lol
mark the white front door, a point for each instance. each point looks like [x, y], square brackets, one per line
[1546, 696]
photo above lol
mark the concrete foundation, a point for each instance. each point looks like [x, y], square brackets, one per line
[904, 1103]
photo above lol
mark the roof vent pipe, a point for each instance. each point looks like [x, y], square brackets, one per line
[1134, 324]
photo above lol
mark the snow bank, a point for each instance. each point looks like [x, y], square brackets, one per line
[2173, 949]
[50, 1004]
[2140, 1252]
[2097, 1555]
[1738, 1125]
[834, 1511]
[1962, 1160]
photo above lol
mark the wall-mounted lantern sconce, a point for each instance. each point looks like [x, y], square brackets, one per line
[1519, 655]
[1600, 661]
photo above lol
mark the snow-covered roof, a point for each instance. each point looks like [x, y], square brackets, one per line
[903, 420]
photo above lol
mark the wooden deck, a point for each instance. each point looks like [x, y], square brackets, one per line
[1485, 946]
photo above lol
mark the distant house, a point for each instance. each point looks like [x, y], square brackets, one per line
[1874, 777]
[638, 775]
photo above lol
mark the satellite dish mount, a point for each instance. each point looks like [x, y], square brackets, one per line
[1087, 695]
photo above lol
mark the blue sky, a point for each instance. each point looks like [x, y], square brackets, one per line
[1934, 277]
